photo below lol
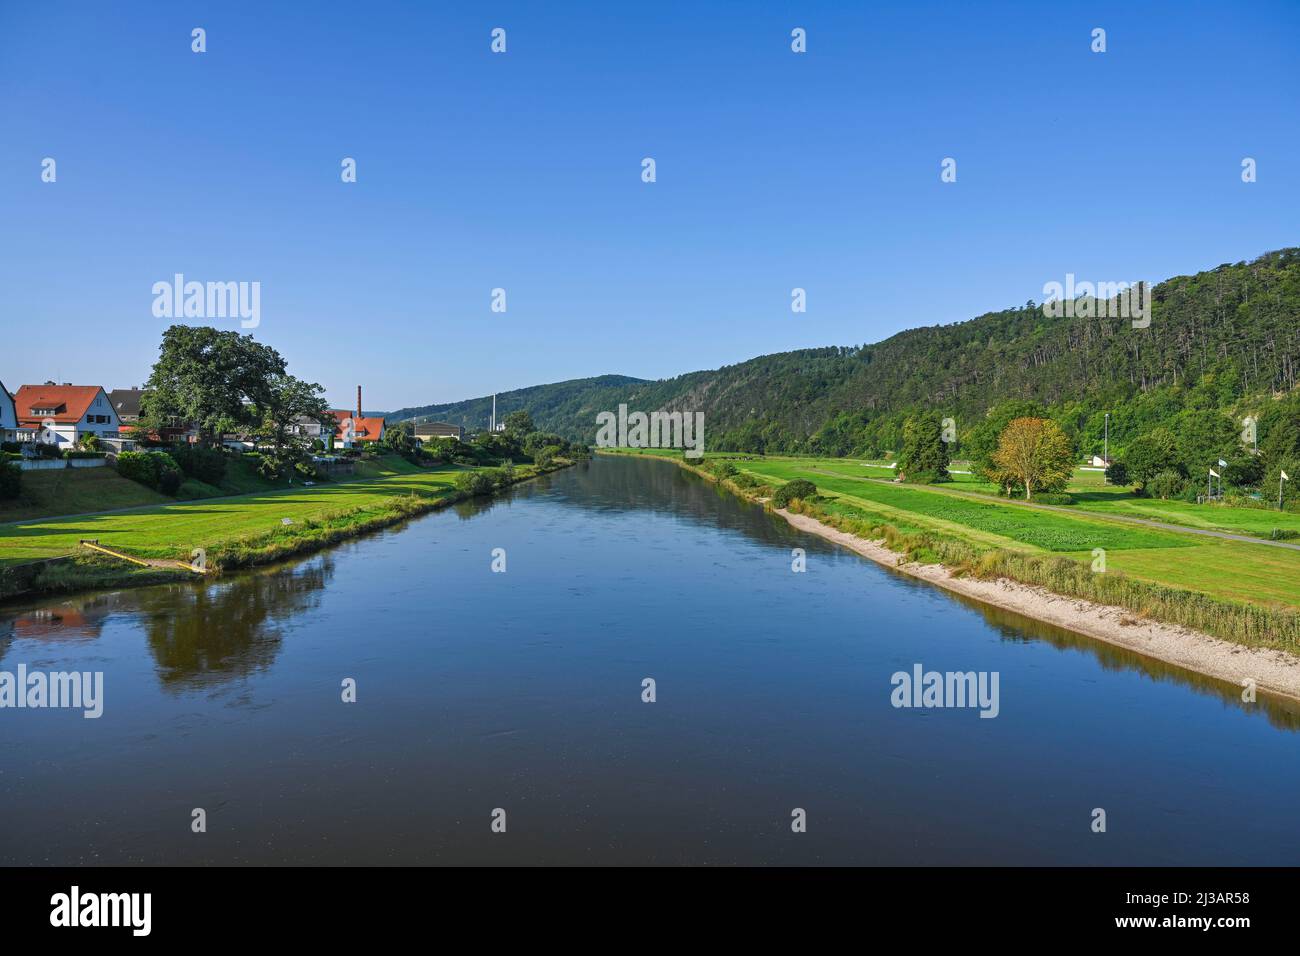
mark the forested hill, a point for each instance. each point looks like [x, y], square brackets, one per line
[561, 406]
[1238, 323]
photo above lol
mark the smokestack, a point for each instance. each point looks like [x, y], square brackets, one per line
[358, 403]
[494, 411]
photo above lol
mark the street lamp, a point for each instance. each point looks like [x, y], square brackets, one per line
[1106, 453]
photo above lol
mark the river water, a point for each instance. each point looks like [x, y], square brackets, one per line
[521, 691]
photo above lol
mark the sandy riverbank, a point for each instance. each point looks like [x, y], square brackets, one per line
[1273, 671]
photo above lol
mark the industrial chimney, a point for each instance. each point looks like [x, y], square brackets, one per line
[358, 404]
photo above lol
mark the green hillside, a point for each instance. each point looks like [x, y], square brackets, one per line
[1225, 340]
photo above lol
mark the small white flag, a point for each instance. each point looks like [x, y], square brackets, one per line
[1285, 476]
[1222, 463]
[1213, 473]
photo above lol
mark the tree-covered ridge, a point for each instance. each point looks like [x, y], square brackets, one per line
[1225, 340]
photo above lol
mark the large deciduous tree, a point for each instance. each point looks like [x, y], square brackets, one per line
[1036, 454]
[211, 380]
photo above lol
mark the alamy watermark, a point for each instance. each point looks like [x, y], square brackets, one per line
[654, 430]
[925, 689]
[79, 690]
[179, 299]
[1101, 300]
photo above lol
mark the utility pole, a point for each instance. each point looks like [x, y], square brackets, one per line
[1106, 453]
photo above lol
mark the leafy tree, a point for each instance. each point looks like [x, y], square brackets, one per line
[1150, 454]
[982, 441]
[1117, 474]
[536, 441]
[285, 399]
[212, 380]
[1036, 453]
[400, 439]
[519, 424]
[1273, 480]
[925, 453]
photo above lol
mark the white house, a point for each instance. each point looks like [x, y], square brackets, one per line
[61, 414]
[8, 415]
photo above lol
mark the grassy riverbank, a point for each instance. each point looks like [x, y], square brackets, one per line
[232, 532]
[1240, 591]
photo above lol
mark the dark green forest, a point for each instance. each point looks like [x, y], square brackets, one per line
[1222, 345]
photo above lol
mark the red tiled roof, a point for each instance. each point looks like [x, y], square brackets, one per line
[70, 401]
[363, 429]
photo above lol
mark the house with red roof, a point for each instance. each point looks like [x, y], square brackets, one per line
[61, 414]
[353, 429]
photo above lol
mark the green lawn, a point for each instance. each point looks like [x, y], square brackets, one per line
[1236, 570]
[173, 530]
[75, 490]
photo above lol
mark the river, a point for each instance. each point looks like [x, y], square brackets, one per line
[522, 691]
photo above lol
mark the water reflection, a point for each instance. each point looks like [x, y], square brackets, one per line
[231, 629]
[209, 633]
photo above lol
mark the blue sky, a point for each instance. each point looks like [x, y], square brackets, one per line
[522, 171]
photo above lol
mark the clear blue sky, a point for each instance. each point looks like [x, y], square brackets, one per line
[522, 171]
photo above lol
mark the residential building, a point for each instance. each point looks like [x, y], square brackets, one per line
[61, 414]
[354, 429]
[126, 402]
[8, 415]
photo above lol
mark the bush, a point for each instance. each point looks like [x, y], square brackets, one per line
[799, 488]
[12, 446]
[1167, 484]
[207, 465]
[1053, 498]
[153, 469]
[475, 483]
[74, 453]
[724, 469]
[47, 450]
[11, 480]
[1117, 474]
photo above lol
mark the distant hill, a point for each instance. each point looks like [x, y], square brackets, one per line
[1239, 322]
[560, 407]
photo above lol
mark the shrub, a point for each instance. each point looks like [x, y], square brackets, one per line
[11, 480]
[1053, 498]
[1167, 484]
[207, 465]
[724, 469]
[1117, 473]
[474, 483]
[153, 469]
[12, 446]
[74, 453]
[47, 449]
[799, 488]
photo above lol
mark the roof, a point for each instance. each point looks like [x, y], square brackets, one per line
[69, 403]
[126, 401]
[437, 428]
[363, 429]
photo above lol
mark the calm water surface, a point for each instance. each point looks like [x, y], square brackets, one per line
[522, 690]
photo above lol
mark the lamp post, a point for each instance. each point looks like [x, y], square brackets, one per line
[1106, 453]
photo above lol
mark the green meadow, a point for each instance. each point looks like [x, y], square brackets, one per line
[174, 530]
[967, 510]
